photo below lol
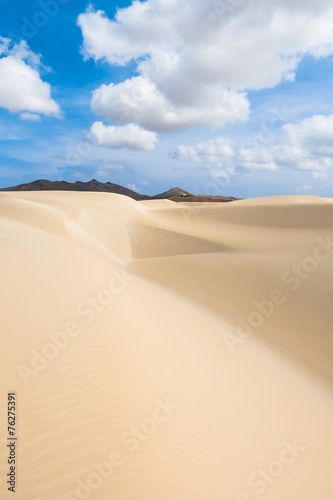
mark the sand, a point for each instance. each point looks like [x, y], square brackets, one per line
[162, 351]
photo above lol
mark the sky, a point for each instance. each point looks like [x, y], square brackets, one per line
[222, 97]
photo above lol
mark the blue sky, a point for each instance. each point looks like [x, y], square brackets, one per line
[226, 98]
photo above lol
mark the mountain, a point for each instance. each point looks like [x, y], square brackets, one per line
[175, 194]
[171, 193]
[93, 185]
[179, 195]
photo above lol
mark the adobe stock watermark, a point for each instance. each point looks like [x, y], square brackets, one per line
[278, 117]
[213, 187]
[262, 478]
[130, 442]
[48, 10]
[83, 148]
[248, 149]
[293, 278]
[88, 310]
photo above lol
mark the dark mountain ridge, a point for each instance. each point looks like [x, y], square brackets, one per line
[175, 194]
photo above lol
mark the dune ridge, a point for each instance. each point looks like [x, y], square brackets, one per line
[167, 351]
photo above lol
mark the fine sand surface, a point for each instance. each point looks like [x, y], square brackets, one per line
[143, 369]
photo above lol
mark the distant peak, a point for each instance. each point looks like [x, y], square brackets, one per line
[176, 191]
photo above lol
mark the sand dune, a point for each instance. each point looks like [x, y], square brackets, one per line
[163, 351]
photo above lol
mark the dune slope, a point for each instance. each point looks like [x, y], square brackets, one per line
[163, 351]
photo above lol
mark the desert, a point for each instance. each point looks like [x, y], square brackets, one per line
[164, 350]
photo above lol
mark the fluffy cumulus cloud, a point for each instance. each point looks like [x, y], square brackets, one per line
[218, 155]
[128, 136]
[21, 87]
[216, 151]
[196, 60]
[139, 100]
[305, 146]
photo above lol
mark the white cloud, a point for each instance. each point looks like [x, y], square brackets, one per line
[4, 45]
[196, 60]
[133, 187]
[216, 151]
[129, 136]
[305, 146]
[218, 155]
[21, 88]
[144, 182]
[138, 100]
[30, 117]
